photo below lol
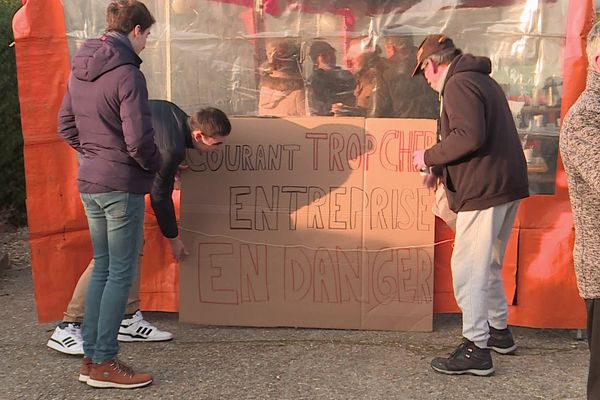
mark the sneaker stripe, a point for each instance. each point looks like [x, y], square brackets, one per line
[65, 342]
[141, 331]
[56, 341]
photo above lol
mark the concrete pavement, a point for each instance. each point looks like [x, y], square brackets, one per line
[251, 363]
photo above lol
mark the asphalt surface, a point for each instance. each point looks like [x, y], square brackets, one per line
[253, 363]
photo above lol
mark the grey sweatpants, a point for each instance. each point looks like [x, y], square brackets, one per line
[479, 246]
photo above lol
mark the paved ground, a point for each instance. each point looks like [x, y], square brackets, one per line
[248, 363]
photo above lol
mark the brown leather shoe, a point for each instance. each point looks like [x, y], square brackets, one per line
[115, 374]
[84, 371]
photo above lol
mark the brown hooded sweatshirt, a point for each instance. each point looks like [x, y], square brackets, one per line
[480, 152]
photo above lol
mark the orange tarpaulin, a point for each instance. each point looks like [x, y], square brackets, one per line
[538, 271]
[59, 240]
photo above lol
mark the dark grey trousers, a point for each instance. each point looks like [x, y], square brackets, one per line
[593, 337]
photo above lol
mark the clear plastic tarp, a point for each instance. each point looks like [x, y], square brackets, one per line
[273, 57]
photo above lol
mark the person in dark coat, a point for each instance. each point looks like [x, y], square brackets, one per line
[400, 51]
[329, 84]
[409, 98]
[485, 175]
[281, 86]
[371, 72]
[105, 116]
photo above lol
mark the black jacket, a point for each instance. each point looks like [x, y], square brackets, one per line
[480, 151]
[328, 88]
[401, 96]
[173, 136]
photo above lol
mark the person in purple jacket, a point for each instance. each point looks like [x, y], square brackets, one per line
[105, 116]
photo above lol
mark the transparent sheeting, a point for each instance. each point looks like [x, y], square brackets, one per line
[216, 53]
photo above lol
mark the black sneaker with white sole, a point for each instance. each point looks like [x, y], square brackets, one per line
[466, 359]
[501, 341]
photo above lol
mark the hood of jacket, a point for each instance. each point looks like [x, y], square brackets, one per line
[469, 63]
[99, 56]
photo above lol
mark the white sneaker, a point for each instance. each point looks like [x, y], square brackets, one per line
[67, 339]
[137, 329]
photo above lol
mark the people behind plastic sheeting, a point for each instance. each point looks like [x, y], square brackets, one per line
[371, 73]
[282, 91]
[384, 88]
[411, 98]
[401, 51]
[329, 83]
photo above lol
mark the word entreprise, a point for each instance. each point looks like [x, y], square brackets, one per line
[311, 207]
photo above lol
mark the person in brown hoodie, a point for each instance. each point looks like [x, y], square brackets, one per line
[579, 143]
[482, 166]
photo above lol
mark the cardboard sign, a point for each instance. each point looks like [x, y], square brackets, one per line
[312, 222]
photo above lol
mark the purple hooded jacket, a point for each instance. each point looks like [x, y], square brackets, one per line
[105, 116]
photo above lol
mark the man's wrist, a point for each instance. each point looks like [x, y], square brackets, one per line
[174, 238]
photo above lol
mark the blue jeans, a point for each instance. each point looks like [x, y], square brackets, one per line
[116, 222]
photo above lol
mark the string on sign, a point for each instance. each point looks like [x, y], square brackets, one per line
[421, 246]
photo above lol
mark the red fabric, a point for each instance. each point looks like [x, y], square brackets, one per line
[59, 238]
[547, 292]
[272, 7]
[55, 219]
